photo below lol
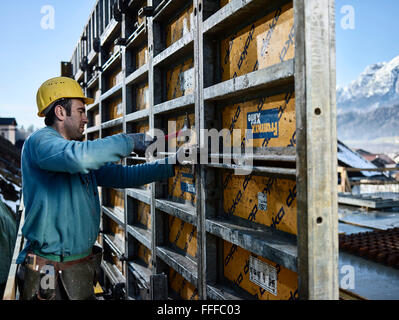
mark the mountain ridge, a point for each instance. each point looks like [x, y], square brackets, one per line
[368, 108]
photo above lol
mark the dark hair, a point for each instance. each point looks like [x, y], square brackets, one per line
[50, 116]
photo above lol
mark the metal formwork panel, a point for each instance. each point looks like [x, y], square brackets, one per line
[181, 287]
[180, 25]
[271, 119]
[179, 80]
[264, 200]
[260, 65]
[237, 269]
[259, 45]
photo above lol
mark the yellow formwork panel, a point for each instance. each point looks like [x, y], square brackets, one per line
[141, 56]
[237, 269]
[265, 200]
[224, 2]
[175, 124]
[142, 127]
[114, 78]
[119, 264]
[111, 132]
[115, 108]
[142, 97]
[115, 229]
[268, 41]
[181, 286]
[140, 20]
[179, 26]
[96, 117]
[117, 234]
[182, 185]
[144, 214]
[183, 235]
[116, 199]
[97, 94]
[144, 254]
[272, 121]
[180, 80]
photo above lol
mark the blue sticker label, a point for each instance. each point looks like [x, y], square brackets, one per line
[187, 175]
[187, 187]
[264, 124]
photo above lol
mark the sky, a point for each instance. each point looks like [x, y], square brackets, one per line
[375, 37]
[30, 54]
[365, 34]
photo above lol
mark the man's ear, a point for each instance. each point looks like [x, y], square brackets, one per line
[59, 112]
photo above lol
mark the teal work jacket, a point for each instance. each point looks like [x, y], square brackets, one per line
[59, 186]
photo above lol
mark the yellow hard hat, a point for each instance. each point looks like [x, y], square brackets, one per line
[58, 88]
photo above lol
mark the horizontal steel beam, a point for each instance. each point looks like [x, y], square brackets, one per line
[182, 47]
[175, 104]
[272, 76]
[184, 212]
[142, 235]
[118, 217]
[184, 266]
[139, 194]
[139, 75]
[271, 245]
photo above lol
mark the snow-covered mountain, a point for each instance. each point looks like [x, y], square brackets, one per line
[368, 109]
[377, 86]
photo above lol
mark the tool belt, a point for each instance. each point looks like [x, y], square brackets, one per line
[43, 277]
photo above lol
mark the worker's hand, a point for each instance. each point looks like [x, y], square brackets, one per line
[141, 142]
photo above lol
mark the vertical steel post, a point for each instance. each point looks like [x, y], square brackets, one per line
[316, 149]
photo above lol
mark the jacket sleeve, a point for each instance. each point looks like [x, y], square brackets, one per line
[119, 176]
[52, 152]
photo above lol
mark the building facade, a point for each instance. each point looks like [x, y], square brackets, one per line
[8, 128]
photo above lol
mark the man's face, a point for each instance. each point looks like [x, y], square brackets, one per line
[74, 124]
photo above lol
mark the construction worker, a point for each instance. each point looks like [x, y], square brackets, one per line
[60, 174]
